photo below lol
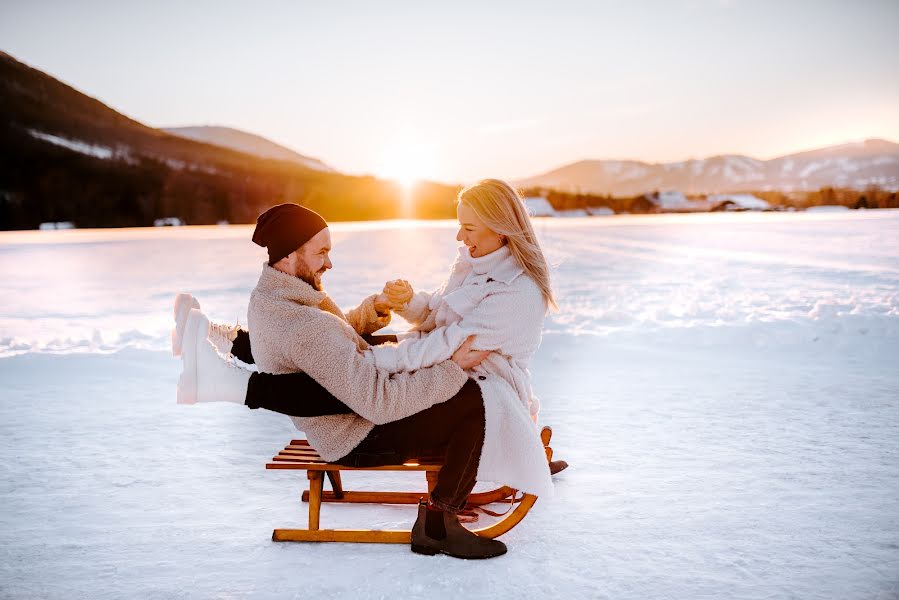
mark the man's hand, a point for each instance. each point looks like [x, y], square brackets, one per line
[467, 358]
[395, 295]
[382, 304]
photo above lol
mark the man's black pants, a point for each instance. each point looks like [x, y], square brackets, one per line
[452, 430]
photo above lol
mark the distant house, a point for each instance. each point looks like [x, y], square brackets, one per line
[671, 199]
[538, 206]
[736, 202]
[56, 225]
[168, 222]
[675, 201]
[600, 211]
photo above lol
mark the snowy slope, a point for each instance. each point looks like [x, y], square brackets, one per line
[248, 143]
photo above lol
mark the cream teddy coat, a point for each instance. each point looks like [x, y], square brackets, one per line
[492, 298]
[294, 328]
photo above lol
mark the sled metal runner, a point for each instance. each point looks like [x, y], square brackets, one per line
[299, 456]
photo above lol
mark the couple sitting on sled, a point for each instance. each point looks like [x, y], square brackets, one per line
[456, 385]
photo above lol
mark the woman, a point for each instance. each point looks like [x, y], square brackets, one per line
[498, 290]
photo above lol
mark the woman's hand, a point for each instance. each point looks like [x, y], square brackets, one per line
[467, 358]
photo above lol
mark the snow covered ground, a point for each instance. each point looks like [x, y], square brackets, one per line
[723, 385]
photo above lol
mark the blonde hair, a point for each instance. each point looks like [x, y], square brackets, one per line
[501, 209]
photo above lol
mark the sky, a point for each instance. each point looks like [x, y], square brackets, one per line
[458, 91]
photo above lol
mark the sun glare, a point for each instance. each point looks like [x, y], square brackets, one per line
[406, 162]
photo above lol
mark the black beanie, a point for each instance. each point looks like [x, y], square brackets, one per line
[284, 228]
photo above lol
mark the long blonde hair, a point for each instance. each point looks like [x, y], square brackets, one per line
[501, 209]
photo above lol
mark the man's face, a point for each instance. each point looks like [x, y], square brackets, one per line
[312, 259]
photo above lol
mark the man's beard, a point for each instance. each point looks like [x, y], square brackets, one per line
[313, 279]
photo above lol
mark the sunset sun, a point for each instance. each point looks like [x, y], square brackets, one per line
[406, 162]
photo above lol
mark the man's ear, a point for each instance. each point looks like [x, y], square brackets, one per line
[285, 263]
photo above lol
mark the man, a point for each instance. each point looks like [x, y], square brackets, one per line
[295, 327]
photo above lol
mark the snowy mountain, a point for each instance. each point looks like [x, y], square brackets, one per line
[248, 143]
[855, 165]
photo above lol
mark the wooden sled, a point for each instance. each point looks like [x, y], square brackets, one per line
[298, 455]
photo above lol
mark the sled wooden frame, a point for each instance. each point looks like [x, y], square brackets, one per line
[299, 456]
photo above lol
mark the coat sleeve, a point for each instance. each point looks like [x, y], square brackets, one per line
[411, 354]
[495, 322]
[365, 319]
[417, 309]
[331, 358]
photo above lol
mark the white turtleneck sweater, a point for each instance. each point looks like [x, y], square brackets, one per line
[492, 298]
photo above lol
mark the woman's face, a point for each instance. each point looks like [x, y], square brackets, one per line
[480, 239]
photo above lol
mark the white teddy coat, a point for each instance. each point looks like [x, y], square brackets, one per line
[492, 298]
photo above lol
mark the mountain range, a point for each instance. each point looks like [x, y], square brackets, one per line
[853, 165]
[69, 157]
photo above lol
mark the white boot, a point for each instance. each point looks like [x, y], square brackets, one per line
[208, 376]
[222, 336]
[183, 304]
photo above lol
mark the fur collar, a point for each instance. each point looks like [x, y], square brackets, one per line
[288, 287]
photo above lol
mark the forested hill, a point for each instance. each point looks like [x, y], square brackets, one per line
[69, 157]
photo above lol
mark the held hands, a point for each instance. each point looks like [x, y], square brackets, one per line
[395, 295]
[467, 358]
[398, 292]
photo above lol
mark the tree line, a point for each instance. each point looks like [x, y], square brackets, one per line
[870, 197]
[40, 182]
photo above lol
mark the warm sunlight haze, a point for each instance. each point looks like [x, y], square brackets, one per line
[449, 300]
[499, 89]
[406, 160]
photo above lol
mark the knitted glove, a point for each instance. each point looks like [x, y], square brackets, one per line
[398, 292]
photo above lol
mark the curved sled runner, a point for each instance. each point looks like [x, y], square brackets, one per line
[298, 455]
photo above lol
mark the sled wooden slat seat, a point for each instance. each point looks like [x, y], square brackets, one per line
[298, 455]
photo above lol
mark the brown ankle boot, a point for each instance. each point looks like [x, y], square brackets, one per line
[457, 541]
[557, 466]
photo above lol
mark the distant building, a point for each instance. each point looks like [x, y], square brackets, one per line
[669, 199]
[600, 211]
[725, 202]
[168, 222]
[673, 201]
[538, 206]
[56, 225]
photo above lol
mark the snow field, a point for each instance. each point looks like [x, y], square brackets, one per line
[724, 388]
